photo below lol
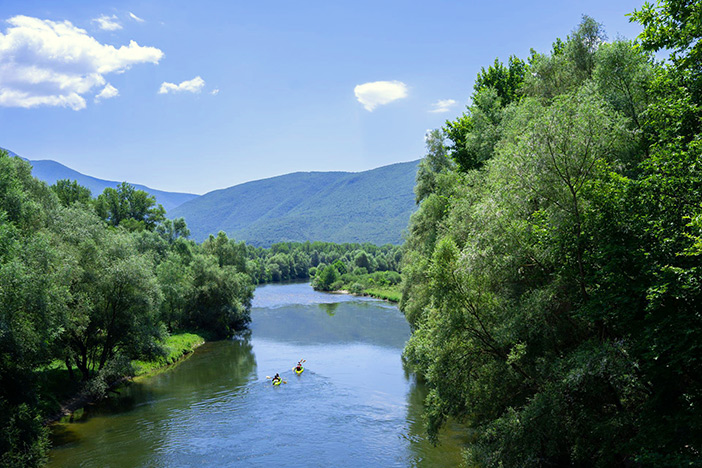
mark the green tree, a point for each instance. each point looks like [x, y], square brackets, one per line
[486, 114]
[227, 251]
[115, 295]
[70, 191]
[176, 282]
[134, 209]
[220, 300]
[326, 277]
[674, 25]
[435, 162]
[623, 75]
[455, 132]
[506, 81]
[171, 230]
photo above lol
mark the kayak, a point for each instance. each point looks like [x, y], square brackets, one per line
[298, 372]
[277, 382]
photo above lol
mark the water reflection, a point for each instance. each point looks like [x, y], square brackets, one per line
[349, 322]
[330, 309]
[149, 414]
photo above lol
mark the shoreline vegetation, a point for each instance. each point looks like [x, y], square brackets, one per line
[385, 294]
[179, 346]
[552, 272]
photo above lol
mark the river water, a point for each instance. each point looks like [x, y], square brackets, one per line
[354, 405]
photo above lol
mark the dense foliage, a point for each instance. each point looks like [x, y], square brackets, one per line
[552, 274]
[326, 263]
[96, 283]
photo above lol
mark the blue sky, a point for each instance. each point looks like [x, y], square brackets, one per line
[211, 94]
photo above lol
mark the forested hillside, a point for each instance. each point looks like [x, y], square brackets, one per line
[371, 206]
[553, 272]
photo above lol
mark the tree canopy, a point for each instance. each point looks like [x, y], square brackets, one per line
[552, 275]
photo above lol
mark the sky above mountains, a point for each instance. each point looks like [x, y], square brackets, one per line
[196, 96]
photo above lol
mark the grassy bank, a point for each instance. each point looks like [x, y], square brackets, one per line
[60, 395]
[177, 346]
[390, 293]
[380, 284]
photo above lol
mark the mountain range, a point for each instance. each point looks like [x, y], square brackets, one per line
[371, 206]
[50, 171]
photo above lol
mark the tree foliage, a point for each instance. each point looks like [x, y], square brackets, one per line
[95, 284]
[554, 292]
[134, 209]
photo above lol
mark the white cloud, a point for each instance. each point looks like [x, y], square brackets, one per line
[443, 105]
[107, 23]
[214, 92]
[51, 63]
[107, 92]
[378, 93]
[135, 17]
[192, 86]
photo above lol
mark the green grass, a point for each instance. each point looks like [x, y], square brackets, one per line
[392, 294]
[177, 346]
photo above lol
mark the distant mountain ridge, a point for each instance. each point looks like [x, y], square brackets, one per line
[50, 171]
[371, 206]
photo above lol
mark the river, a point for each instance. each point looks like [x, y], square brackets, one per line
[354, 405]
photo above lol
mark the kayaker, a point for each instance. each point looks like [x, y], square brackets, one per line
[277, 377]
[299, 366]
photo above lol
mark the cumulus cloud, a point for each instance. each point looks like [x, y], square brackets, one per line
[191, 86]
[51, 63]
[214, 92]
[135, 17]
[442, 105]
[107, 23]
[378, 93]
[107, 92]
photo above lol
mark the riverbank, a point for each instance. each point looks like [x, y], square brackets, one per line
[63, 395]
[386, 294]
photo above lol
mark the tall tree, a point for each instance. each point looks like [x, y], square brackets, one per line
[126, 206]
[70, 191]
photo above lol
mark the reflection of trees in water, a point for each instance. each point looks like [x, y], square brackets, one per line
[330, 308]
[451, 438]
[225, 363]
[341, 322]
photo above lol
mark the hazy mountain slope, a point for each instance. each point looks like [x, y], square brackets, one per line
[371, 206]
[50, 171]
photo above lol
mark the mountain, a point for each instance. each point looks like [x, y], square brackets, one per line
[372, 206]
[50, 171]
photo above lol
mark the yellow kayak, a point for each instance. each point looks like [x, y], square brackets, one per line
[298, 372]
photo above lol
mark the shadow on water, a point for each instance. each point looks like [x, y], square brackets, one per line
[452, 438]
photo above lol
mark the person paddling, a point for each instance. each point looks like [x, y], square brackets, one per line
[276, 378]
[298, 369]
